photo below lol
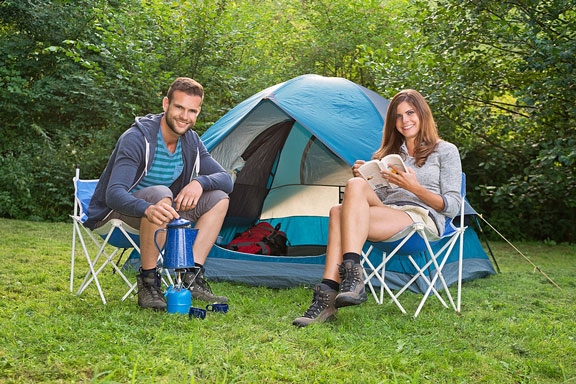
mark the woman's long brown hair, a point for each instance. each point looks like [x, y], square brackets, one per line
[427, 137]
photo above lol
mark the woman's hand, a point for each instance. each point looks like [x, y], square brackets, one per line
[355, 167]
[405, 180]
[409, 182]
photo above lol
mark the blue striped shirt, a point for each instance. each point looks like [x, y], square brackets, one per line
[166, 166]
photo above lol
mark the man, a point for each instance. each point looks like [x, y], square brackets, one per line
[159, 171]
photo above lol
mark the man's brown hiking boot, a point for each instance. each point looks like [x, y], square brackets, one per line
[199, 288]
[149, 291]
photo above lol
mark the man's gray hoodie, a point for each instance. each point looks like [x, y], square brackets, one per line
[131, 160]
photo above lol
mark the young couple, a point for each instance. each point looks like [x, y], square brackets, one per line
[160, 171]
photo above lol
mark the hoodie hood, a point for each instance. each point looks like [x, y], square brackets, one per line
[149, 125]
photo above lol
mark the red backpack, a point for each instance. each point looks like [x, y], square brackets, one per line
[261, 239]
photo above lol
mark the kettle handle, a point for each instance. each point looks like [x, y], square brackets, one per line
[155, 242]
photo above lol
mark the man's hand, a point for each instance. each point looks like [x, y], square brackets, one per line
[357, 164]
[161, 213]
[188, 196]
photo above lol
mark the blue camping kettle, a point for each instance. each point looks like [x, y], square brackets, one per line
[178, 246]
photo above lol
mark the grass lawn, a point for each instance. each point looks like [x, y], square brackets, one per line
[515, 327]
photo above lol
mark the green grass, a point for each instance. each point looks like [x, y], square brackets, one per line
[515, 327]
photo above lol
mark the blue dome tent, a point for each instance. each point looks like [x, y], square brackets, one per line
[289, 149]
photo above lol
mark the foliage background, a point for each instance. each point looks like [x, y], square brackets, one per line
[500, 78]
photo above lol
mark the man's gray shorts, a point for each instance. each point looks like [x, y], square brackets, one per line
[158, 192]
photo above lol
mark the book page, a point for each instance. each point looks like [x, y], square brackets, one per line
[370, 171]
[396, 161]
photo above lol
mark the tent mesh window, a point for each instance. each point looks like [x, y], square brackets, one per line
[253, 181]
[320, 166]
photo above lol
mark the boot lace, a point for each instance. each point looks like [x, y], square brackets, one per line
[351, 275]
[319, 303]
[154, 288]
[156, 291]
[203, 284]
[195, 280]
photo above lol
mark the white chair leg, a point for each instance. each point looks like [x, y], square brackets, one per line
[385, 286]
[460, 262]
[368, 276]
[101, 249]
[132, 287]
[437, 259]
[371, 287]
[451, 243]
[91, 267]
[92, 275]
[74, 224]
[381, 278]
[436, 276]
[425, 278]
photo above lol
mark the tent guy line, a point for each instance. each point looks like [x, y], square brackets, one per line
[521, 254]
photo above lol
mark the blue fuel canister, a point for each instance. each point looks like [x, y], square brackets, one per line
[179, 300]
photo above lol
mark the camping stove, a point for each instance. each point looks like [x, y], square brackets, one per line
[178, 255]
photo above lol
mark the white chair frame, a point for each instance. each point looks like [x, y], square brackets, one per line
[100, 237]
[438, 259]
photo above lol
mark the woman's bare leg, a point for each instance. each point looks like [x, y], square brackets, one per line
[334, 248]
[365, 217]
[361, 216]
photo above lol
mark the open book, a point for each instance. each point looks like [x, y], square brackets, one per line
[370, 170]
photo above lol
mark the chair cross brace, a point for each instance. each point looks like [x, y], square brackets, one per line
[438, 259]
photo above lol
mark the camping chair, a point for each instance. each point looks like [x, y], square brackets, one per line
[114, 233]
[413, 240]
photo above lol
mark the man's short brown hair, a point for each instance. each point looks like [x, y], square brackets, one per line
[187, 85]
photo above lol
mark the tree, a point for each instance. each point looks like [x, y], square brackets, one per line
[509, 70]
[498, 75]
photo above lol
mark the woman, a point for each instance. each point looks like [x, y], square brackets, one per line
[428, 193]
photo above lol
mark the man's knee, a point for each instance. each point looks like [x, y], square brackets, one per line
[155, 194]
[211, 202]
[219, 207]
[222, 205]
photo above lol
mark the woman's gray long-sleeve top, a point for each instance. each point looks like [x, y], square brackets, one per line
[441, 174]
